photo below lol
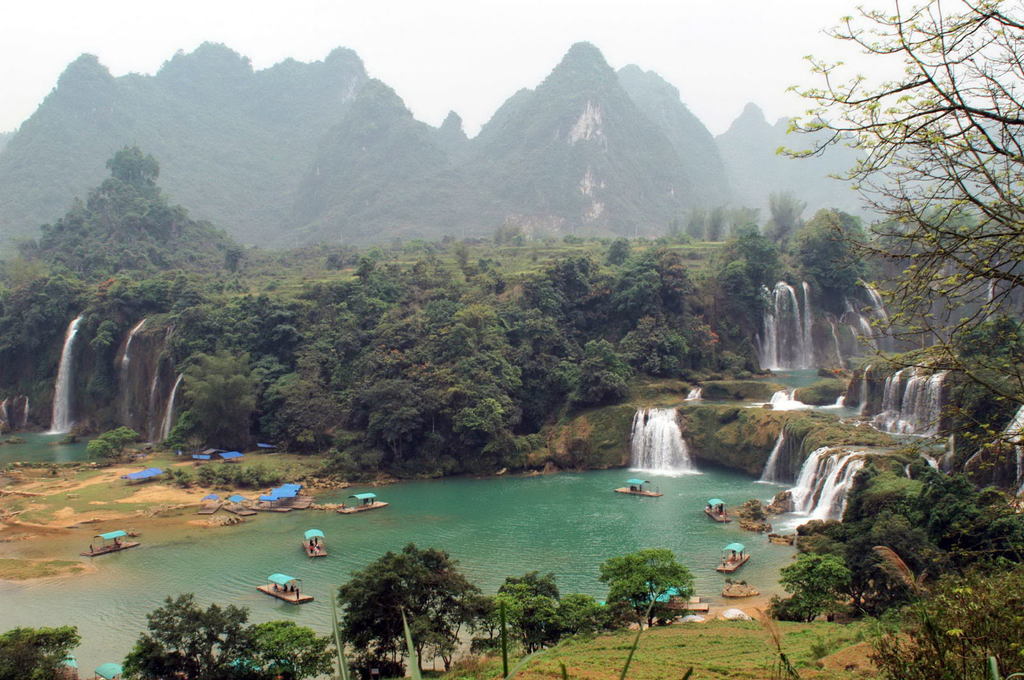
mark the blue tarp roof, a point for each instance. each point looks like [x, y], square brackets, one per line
[70, 661]
[281, 579]
[211, 497]
[716, 501]
[737, 547]
[635, 481]
[111, 535]
[284, 493]
[268, 498]
[237, 498]
[201, 456]
[231, 454]
[363, 496]
[290, 486]
[668, 595]
[310, 533]
[109, 670]
[143, 474]
[266, 446]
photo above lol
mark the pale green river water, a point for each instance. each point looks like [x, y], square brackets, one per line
[566, 524]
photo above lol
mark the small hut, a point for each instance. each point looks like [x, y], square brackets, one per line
[109, 671]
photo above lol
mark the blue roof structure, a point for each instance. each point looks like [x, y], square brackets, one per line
[635, 481]
[200, 456]
[111, 535]
[229, 455]
[268, 498]
[716, 501]
[109, 671]
[310, 533]
[281, 579]
[211, 497]
[237, 498]
[143, 474]
[363, 496]
[266, 446]
[736, 547]
[291, 486]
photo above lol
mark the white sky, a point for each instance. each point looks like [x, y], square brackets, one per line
[466, 55]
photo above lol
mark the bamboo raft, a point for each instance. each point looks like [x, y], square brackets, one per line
[695, 605]
[729, 566]
[312, 552]
[718, 517]
[240, 510]
[291, 597]
[110, 548]
[350, 509]
[638, 492]
[209, 508]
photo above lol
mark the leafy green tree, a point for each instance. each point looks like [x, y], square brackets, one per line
[184, 640]
[579, 613]
[222, 393]
[785, 209]
[110, 445]
[817, 584]
[826, 248]
[618, 251]
[35, 653]
[288, 651]
[603, 375]
[130, 166]
[424, 584]
[641, 578]
[531, 605]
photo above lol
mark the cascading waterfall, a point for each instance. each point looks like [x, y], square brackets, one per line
[770, 474]
[876, 301]
[168, 420]
[786, 340]
[60, 421]
[911, 402]
[864, 390]
[124, 372]
[784, 401]
[835, 343]
[1015, 433]
[657, 445]
[825, 477]
[695, 394]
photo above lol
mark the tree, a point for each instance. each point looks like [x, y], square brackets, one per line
[185, 640]
[424, 584]
[785, 209]
[531, 605]
[826, 248]
[222, 393]
[129, 165]
[817, 582]
[942, 145]
[110, 445]
[35, 653]
[618, 251]
[603, 375]
[641, 578]
[290, 651]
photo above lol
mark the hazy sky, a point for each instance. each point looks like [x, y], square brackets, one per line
[466, 55]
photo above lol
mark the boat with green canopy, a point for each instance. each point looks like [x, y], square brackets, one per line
[715, 509]
[734, 556]
[364, 501]
[284, 587]
[313, 543]
[112, 541]
[637, 487]
[109, 671]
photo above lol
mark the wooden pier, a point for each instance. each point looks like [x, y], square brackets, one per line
[239, 510]
[290, 596]
[209, 508]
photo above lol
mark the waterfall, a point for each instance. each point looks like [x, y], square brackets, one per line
[61, 421]
[876, 302]
[168, 421]
[694, 394]
[770, 474]
[128, 401]
[657, 445]
[786, 340]
[1014, 433]
[825, 477]
[836, 345]
[784, 401]
[911, 402]
[864, 390]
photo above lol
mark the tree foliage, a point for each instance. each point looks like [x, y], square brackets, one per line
[817, 584]
[110, 445]
[222, 395]
[639, 579]
[35, 653]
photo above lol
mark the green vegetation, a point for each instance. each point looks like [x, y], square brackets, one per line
[109, 446]
[35, 653]
[644, 580]
[821, 393]
[12, 569]
[817, 584]
[222, 393]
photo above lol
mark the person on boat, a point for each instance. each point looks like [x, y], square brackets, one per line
[117, 542]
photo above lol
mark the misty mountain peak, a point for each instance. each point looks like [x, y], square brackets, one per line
[452, 122]
[583, 65]
[86, 69]
[634, 77]
[208, 62]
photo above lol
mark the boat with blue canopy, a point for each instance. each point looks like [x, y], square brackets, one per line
[313, 543]
[284, 587]
[111, 541]
[364, 501]
[734, 556]
[715, 509]
[638, 487]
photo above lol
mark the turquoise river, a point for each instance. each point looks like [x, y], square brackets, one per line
[565, 523]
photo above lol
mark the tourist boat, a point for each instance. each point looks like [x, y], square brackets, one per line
[286, 588]
[715, 509]
[366, 501]
[313, 543]
[636, 487]
[733, 557]
[115, 544]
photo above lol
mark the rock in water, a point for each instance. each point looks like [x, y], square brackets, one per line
[739, 590]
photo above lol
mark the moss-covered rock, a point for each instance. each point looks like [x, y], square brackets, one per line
[594, 439]
[739, 390]
[822, 392]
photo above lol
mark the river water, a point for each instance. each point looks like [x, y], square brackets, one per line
[565, 523]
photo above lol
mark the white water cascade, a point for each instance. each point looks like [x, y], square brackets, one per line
[61, 421]
[657, 445]
[911, 402]
[168, 420]
[694, 394]
[786, 341]
[127, 403]
[825, 477]
[770, 474]
[785, 401]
